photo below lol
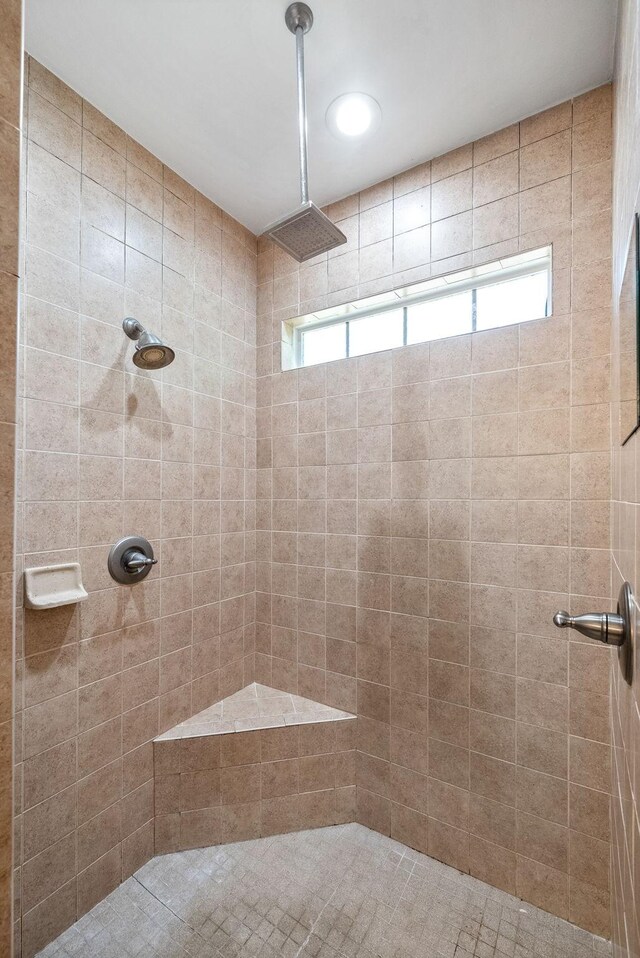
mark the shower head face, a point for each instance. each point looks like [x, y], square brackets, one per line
[150, 352]
[306, 233]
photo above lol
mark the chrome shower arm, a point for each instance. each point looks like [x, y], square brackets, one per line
[299, 20]
[302, 115]
[132, 328]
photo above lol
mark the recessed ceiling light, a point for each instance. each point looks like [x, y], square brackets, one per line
[353, 114]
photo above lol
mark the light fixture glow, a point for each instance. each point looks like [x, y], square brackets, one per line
[353, 114]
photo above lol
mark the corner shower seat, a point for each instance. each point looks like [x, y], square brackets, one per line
[260, 762]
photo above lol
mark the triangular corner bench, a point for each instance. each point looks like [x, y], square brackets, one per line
[259, 762]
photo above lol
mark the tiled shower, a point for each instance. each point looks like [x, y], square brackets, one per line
[362, 558]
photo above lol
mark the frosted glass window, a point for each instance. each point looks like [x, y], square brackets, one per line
[374, 333]
[516, 289]
[514, 301]
[437, 318]
[324, 344]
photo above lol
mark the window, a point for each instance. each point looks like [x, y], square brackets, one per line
[516, 289]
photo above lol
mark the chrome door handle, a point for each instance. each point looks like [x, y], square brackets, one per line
[606, 627]
[612, 628]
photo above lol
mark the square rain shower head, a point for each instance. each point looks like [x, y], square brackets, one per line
[306, 233]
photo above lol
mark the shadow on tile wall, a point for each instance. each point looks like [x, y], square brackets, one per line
[421, 513]
[626, 719]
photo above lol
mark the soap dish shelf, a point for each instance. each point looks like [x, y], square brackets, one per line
[50, 586]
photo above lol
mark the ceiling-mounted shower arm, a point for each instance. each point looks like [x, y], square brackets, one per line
[307, 232]
[302, 117]
[299, 20]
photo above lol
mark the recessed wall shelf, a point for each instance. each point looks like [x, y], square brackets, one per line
[50, 586]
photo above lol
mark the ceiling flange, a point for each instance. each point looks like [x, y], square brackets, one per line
[298, 15]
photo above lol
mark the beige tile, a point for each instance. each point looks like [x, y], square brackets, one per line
[592, 104]
[495, 222]
[47, 872]
[412, 179]
[547, 123]
[545, 160]
[541, 795]
[451, 195]
[546, 205]
[544, 341]
[54, 130]
[495, 179]
[496, 144]
[450, 163]
[545, 887]
[448, 844]
[592, 141]
[50, 918]
[592, 191]
[495, 349]
[589, 907]
[451, 236]
[492, 778]
[589, 763]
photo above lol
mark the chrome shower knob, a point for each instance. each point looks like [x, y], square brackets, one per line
[131, 560]
[135, 561]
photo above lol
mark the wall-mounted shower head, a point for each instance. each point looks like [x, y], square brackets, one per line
[150, 352]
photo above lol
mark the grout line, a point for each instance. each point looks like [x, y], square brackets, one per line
[315, 923]
[169, 909]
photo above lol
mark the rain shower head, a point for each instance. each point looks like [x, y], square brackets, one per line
[306, 232]
[150, 352]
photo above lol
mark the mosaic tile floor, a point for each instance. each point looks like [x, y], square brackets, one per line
[341, 892]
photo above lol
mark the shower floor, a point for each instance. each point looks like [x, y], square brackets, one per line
[339, 892]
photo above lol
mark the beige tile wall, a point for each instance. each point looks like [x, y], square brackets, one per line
[10, 93]
[625, 874]
[421, 513]
[10, 121]
[108, 450]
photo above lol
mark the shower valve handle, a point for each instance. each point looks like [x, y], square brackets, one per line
[135, 561]
[131, 560]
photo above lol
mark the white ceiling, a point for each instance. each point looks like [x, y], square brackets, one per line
[209, 85]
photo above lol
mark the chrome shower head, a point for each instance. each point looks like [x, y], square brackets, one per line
[150, 352]
[306, 233]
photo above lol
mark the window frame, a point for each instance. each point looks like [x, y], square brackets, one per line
[431, 290]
